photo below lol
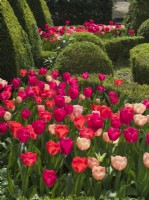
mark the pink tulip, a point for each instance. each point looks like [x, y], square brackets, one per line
[66, 145]
[49, 177]
[118, 162]
[113, 133]
[98, 172]
[59, 114]
[131, 134]
[3, 128]
[39, 126]
[23, 135]
[88, 92]
[26, 113]
[126, 115]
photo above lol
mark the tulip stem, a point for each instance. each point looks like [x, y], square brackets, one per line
[117, 184]
[25, 180]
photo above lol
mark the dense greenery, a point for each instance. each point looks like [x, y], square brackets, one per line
[79, 11]
[89, 37]
[118, 48]
[144, 30]
[83, 56]
[139, 60]
[16, 50]
[28, 23]
[137, 14]
[41, 12]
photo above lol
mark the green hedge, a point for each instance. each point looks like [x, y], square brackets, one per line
[88, 37]
[118, 48]
[144, 30]
[137, 14]
[128, 90]
[79, 11]
[83, 56]
[139, 61]
[14, 44]
[28, 23]
[41, 12]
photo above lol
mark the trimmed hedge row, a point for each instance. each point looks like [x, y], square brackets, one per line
[118, 48]
[144, 30]
[139, 61]
[41, 12]
[83, 56]
[132, 91]
[28, 23]
[88, 37]
[15, 48]
[79, 11]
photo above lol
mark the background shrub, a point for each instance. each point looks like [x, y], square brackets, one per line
[79, 11]
[88, 37]
[28, 23]
[118, 48]
[137, 14]
[83, 56]
[144, 30]
[41, 12]
[15, 48]
[139, 61]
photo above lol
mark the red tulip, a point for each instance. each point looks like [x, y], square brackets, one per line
[28, 158]
[49, 177]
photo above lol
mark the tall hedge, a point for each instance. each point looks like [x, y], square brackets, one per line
[28, 23]
[79, 11]
[144, 30]
[137, 14]
[15, 49]
[41, 12]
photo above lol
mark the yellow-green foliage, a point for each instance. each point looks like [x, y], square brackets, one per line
[28, 23]
[15, 48]
[139, 60]
[88, 37]
[144, 30]
[83, 56]
[41, 12]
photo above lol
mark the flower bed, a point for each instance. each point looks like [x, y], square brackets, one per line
[64, 139]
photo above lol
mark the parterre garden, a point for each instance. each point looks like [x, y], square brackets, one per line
[74, 110]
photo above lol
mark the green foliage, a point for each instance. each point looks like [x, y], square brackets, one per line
[15, 47]
[129, 90]
[89, 37]
[137, 14]
[47, 58]
[83, 56]
[118, 48]
[144, 30]
[41, 12]
[28, 23]
[80, 11]
[139, 61]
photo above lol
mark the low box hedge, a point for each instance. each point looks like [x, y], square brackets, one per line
[139, 62]
[118, 48]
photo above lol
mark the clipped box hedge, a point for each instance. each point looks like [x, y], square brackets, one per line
[118, 48]
[15, 48]
[41, 12]
[28, 23]
[88, 37]
[144, 30]
[139, 61]
[83, 56]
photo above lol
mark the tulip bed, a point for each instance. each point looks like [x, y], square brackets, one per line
[62, 138]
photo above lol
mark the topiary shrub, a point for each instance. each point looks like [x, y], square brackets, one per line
[28, 23]
[139, 61]
[137, 14]
[89, 37]
[83, 56]
[118, 48]
[144, 30]
[41, 12]
[15, 48]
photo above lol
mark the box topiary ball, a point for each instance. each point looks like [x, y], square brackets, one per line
[83, 56]
[88, 37]
[144, 30]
